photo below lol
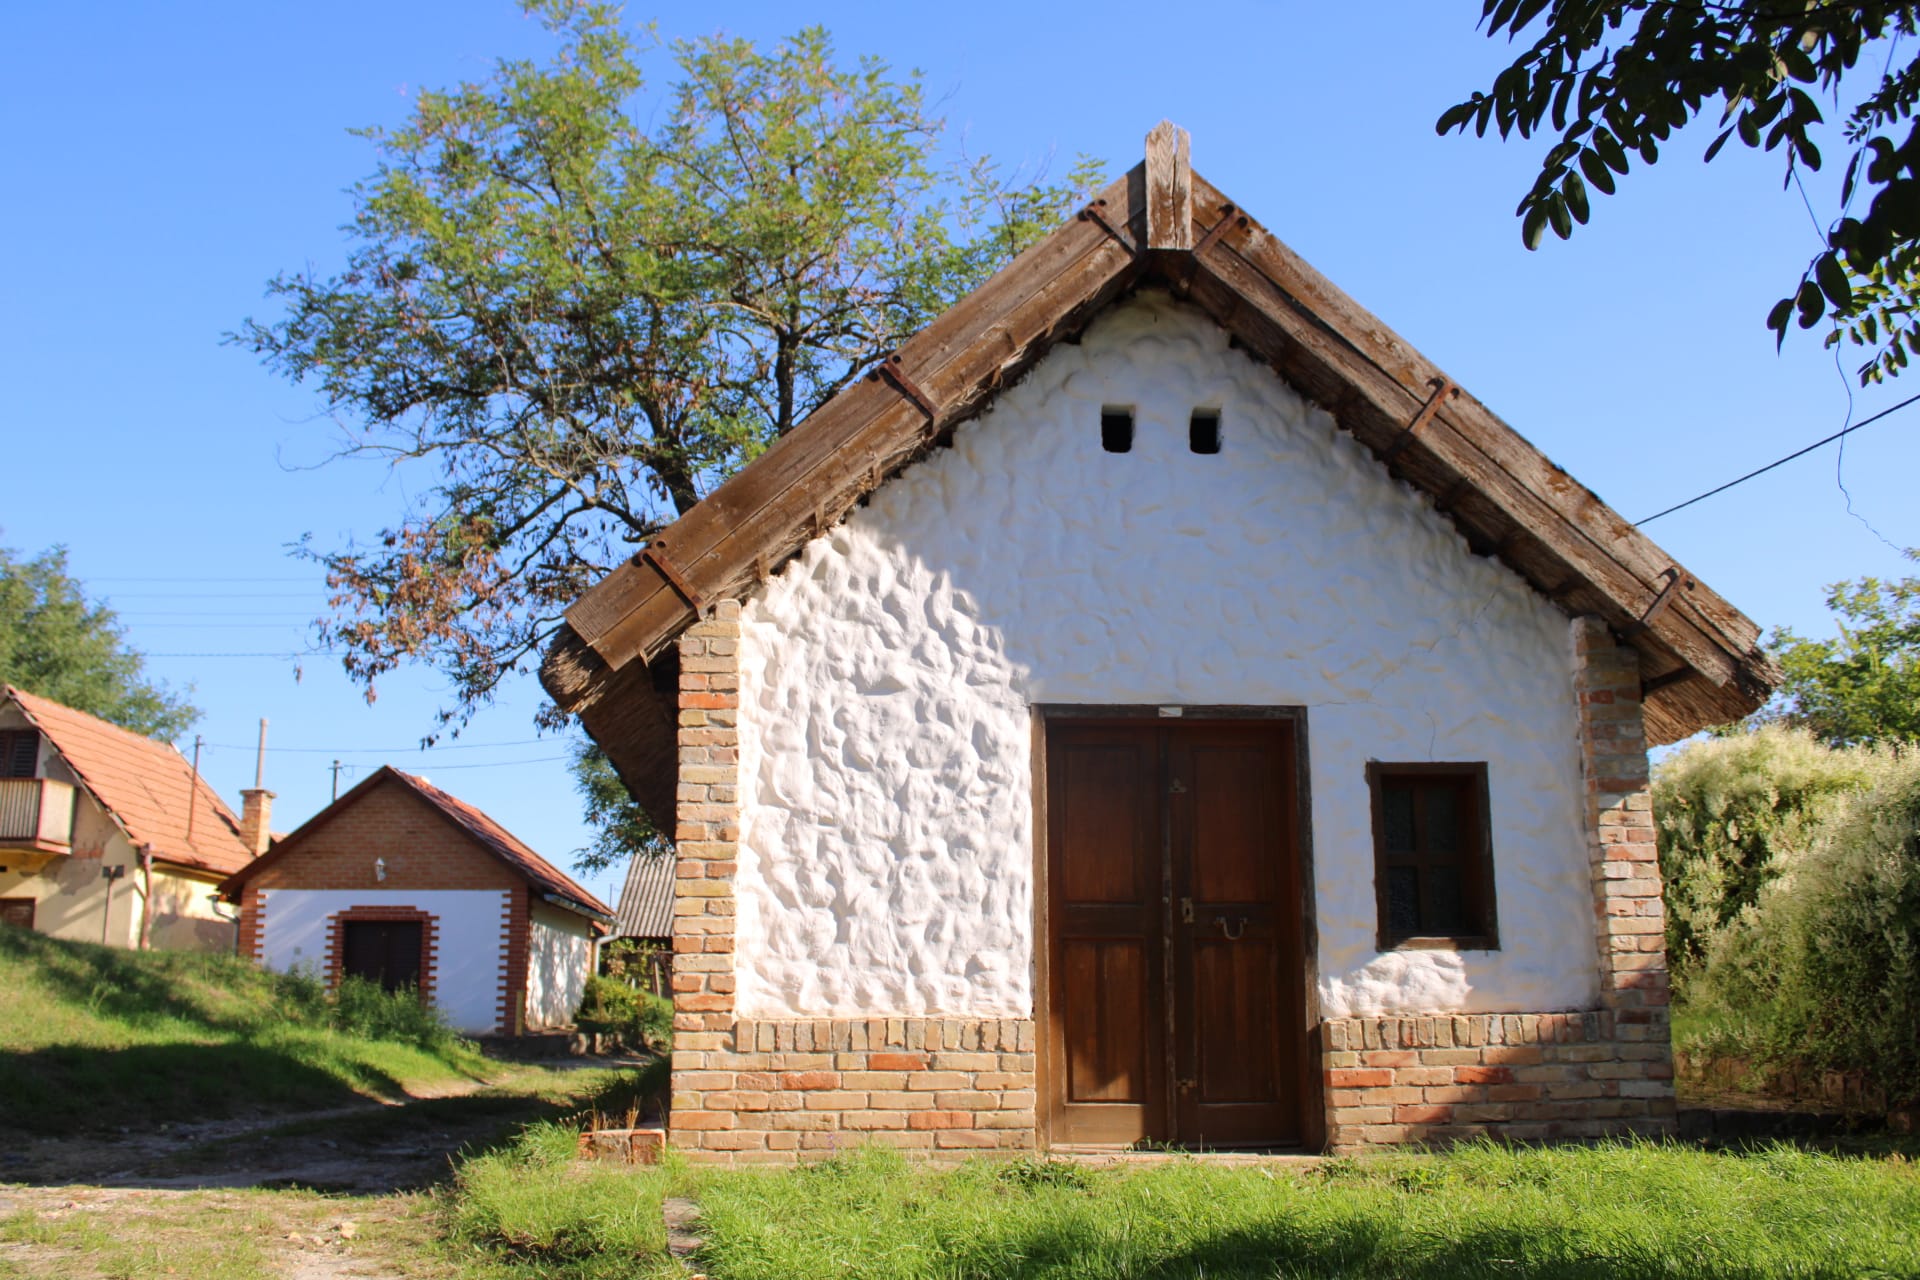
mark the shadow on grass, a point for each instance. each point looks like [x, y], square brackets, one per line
[1352, 1250]
[359, 1146]
[68, 1088]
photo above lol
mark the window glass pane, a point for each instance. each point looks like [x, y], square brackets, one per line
[1398, 804]
[1443, 821]
[1403, 901]
[1446, 914]
[19, 752]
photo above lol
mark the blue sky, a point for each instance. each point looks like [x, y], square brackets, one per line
[169, 159]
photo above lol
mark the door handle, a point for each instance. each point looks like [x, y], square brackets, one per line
[1234, 929]
[1186, 911]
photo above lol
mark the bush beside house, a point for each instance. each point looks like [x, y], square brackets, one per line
[1793, 896]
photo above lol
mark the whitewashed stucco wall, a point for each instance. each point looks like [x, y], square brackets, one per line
[468, 969]
[887, 674]
[559, 957]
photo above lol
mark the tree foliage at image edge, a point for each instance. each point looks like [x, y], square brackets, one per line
[1616, 79]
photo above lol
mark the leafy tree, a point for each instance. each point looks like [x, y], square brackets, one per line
[1614, 79]
[56, 644]
[578, 322]
[622, 829]
[1862, 686]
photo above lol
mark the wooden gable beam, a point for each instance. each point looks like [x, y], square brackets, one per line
[1169, 195]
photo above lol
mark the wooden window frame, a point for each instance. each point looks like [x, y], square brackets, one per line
[1475, 860]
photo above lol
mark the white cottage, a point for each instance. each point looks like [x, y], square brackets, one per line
[1157, 706]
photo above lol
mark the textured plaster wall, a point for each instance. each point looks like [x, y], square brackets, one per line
[559, 957]
[886, 858]
[467, 971]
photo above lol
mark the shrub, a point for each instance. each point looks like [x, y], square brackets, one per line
[365, 1009]
[1731, 813]
[1825, 969]
[634, 1019]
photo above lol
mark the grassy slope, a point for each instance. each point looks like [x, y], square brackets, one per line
[93, 1037]
[1608, 1211]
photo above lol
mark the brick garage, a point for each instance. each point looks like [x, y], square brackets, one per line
[1127, 742]
[402, 883]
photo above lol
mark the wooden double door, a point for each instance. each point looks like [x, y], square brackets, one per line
[1175, 955]
[386, 952]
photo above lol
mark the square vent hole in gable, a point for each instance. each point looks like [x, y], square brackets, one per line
[1203, 431]
[1116, 429]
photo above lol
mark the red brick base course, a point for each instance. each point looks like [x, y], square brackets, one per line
[772, 1092]
[1520, 1076]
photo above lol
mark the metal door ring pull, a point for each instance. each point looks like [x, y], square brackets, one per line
[1233, 929]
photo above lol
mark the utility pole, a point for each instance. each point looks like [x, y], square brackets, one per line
[193, 792]
[336, 779]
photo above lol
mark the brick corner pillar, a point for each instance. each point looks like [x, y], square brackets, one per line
[706, 837]
[1629, 914]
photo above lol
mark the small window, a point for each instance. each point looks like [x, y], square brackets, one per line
[1432, 855]
[19, 752]
[1116, 430]
[1203, 431]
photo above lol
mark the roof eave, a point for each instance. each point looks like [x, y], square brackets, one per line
[1161, 224]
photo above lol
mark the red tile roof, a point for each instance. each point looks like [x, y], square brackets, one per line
[144, 784]
[496, 839]
[541, 873]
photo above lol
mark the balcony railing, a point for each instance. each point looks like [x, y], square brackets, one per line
[37, 814]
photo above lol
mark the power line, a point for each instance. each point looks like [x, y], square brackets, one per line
[135, 577]
[303, 653]
[415, 749]
[1798, 453]
[501, 764]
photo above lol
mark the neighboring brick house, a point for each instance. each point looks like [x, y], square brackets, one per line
[1156, 706]
[109, 836]
[399, 882]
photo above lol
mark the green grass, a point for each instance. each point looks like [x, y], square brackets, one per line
[532, 1208]
[1625, 1210]
[93, 1037]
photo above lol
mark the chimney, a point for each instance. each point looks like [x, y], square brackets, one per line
[256, 813]
[256, 804]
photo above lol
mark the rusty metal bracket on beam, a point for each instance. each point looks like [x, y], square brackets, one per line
[1229, 217]
[893, 372]
[1092, 213]
[1443, 389]
[655, 554]
[1190, 266]
[1676, 581]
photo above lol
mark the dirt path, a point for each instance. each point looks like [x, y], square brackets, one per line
[79, 1233]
